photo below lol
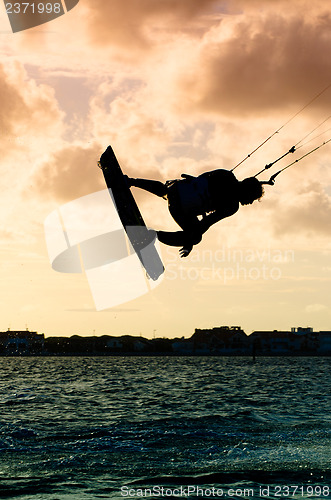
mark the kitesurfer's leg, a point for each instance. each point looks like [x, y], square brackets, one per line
[172, 238]
[184, 239]
[189, 236]
[154, 187]
[191, 232]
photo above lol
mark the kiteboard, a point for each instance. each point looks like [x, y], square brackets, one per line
[141, 239]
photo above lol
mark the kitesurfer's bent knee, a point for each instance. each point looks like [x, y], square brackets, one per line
[179, 238]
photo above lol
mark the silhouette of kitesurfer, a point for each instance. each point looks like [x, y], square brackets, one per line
[212, 195]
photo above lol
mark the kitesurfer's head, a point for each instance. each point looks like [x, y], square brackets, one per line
[250, 189]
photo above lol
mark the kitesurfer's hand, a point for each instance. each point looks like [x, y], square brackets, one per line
[185, 251]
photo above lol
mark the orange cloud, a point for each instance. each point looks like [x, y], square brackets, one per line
[14, 109]
[70, 173]
[27, 109]
[266, 63]
[127, 24]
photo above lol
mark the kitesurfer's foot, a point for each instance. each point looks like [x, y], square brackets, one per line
[127, 180]
[152, 234]
[141, 236]
[149, 236]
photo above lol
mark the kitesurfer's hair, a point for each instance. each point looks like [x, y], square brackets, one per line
[253, 188]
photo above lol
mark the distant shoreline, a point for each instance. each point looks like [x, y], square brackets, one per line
[223, 341]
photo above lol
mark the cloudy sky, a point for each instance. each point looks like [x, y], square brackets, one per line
[175, 86]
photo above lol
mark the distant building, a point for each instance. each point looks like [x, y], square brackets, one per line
[114, 343]
[21, 342]
[183, 346]
[220, 340]
[324, 347]
[134, 344]
[297, 342]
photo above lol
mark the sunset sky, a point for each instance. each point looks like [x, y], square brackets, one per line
[174, 86]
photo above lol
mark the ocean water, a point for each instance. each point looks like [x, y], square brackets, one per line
[164, 427]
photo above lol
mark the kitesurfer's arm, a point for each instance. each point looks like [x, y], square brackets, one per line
[213, 217]
[194, 236]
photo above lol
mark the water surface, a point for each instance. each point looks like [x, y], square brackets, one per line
[85, 427]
